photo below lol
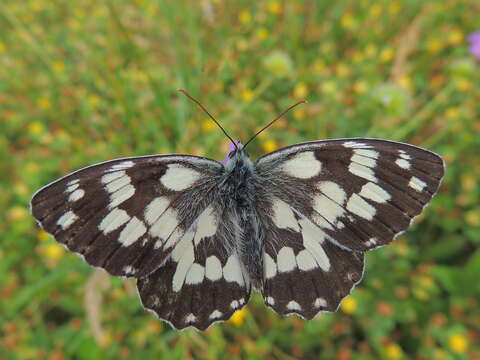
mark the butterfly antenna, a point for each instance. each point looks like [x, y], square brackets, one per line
[271, 122]
[211, 117]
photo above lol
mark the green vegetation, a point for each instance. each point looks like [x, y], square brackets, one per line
[85, 81]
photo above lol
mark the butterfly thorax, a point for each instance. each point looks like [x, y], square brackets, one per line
[241, 188]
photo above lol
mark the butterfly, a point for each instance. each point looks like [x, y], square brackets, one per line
[199, 235]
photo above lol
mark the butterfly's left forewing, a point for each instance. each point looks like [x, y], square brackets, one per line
[127, 215]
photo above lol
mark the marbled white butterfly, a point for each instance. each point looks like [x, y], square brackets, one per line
[199, 234]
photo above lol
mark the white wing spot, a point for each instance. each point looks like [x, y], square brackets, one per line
[76, 195]
[404, 164]
[270, 266]
[206, 225]
[213, 268]
[121, 195]
[360, 207]
[118, 183]
[232, 272]
[333, 191]
[371, 242]
[306, 261]
[417, 184]
[234, 304]
[270, 300]
[123, 165]
[67, 219]
[73, 182]
[241, 301]
[320, 302]
[368, 153]
[109, 177]
[155, 209]
[404, 155]
[363, 160]
[190, 318]
[133, 231]
[362, 171]
[178, 177]
[283, 216]
[215, 314]
[286, 259]
[72, 187]
[374, 192]
[312, 241]
[355, 144]
[129, 270]
[195, 275]
[165, 224]
[303, 165]
[293, 305]
[185, 261]
[113, 220]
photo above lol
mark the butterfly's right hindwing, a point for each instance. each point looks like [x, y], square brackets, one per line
[126, 215]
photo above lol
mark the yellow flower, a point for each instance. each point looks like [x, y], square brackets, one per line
[455, 37]
[458, 343]
[329, 87]
[300, 91]
[43, 236]
[348, 21]
[472, 217]
[405, 82]
[208, 125]
[3, 48]
[375, 10]
[394, 7]
[20, 189]
[274, 7]
[370, 50]
[434, 46]
[17, 213]
[349, 305]
[238, 317]
[360, 86]
[270, 145]
[319, 66]
[393, 351]
[262, 33]
[343, 70]
[358, 56]
[247, 95]
[36, 128]
[299, 114]
[44, 103]
[94, 100]
[463, 85]
[245, 17]
[386, 54]
[53, 251]
[58, 66]
[452, 113]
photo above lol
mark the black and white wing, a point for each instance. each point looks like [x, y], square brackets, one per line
[155, 218]
[330, 202]
[127, 215]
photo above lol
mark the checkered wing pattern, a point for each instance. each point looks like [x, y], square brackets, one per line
[330, 202]
[127, 215]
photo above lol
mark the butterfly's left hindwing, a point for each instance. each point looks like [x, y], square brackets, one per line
[126, 215]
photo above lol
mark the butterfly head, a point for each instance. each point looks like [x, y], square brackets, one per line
[235, 150]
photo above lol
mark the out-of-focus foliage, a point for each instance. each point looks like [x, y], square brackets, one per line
[83, 81]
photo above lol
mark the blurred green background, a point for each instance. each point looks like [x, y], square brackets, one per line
[85, 81]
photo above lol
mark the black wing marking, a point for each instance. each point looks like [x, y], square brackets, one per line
[360, 192]
[126, 215]
[201, 283]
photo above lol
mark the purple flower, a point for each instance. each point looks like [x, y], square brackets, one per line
[230, 150]
[474, 41]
